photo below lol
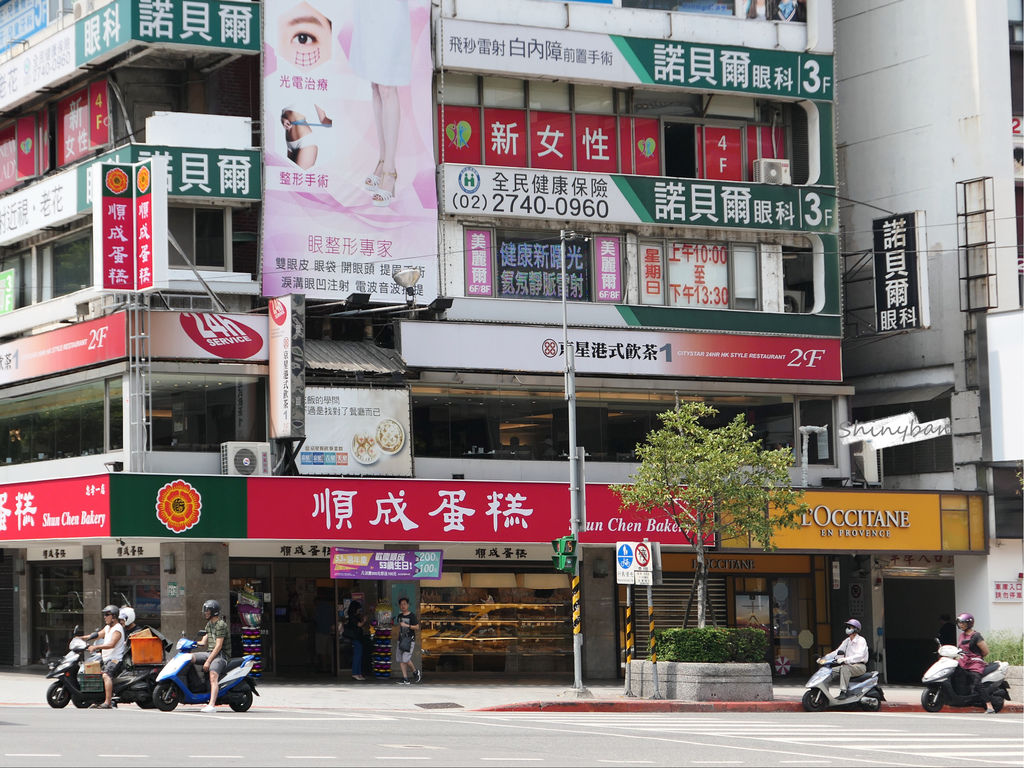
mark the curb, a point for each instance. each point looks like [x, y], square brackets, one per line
[649, 705]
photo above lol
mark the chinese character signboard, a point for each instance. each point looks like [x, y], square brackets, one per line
[478, 262]
[698, 275]
[83, 122]
[287, 326]
[74, 346]
[351, 192]
[1007, 591]
[621, 352]
[530, 267]
[356, 431]
[393, 564]
[130, 225]
[622, 199]
[20, 19]
[613, 59]
[68, 508]
[900, 275]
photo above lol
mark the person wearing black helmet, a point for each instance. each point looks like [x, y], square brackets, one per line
[111, 652]
[972, 661]
[854, 650]
[218, 640]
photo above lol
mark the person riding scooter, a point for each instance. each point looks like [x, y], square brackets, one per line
[218, 640]
[854, 650]
[972, 661]
[112, 650]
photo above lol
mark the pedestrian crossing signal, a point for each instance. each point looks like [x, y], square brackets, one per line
[564, 559]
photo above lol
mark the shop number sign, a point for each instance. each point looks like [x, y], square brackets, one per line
[633, 562]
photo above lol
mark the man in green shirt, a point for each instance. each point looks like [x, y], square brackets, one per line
[218, 640]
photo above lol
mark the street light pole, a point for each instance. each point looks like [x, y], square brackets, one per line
[576, 497]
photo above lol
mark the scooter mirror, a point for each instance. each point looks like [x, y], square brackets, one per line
[76, 630]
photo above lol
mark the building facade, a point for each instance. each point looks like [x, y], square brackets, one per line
[397, 231]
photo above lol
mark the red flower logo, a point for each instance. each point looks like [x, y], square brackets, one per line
[117, 181]
[178, 506]
[143, 180]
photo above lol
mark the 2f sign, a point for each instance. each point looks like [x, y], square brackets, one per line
[97, 337]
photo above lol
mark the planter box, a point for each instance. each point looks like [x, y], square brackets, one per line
[703, 682]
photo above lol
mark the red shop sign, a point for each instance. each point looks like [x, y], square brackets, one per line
[551, 141]
[77, 346]
[459, 139]
[73, 507]
[505, 137]
[331, 509]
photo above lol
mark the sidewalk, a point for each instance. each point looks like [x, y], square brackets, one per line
[502, 694]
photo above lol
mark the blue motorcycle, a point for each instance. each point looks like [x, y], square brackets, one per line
[179, 682]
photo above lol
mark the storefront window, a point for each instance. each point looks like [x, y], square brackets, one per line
[498, 622]
[56, 424]
[136, 583]
[56, 607]
[516, 423]
[199, 412]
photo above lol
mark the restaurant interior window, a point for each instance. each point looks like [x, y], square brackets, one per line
[55, 424]
[199, 412]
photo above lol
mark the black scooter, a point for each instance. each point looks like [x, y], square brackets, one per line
[133, 684]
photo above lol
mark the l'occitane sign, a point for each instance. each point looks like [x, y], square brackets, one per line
[865, 521]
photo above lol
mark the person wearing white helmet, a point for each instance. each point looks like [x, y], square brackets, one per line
[854, 650]
[127, 617]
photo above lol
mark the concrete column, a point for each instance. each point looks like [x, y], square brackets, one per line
[93, 595]
[600, 638]
[184, 589]
[24, 653]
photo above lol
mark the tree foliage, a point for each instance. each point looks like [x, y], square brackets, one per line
[713, 481]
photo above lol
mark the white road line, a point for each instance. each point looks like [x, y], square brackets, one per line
[403, 758]
[310, 757]
[120, 756]
[216, 757]
[627, 762]
[519, 759]
[31, 754]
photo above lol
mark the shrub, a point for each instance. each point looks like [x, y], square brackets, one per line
[711, 645]
[1006, 646]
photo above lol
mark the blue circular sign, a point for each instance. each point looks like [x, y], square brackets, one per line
[625, 557]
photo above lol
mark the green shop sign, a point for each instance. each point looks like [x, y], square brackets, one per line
[204, 24]
[196, 172]
[194, 507]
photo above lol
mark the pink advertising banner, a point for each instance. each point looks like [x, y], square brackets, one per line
[208, 336]
[478, 262]
[68, 508]
[351, 194]
[328, 509]
[77, 346]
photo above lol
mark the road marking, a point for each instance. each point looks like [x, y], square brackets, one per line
[120, 756]
[216, 757]
[31, 754]
[627, 762]
[509, 759]
[403, 758]
[310, 757]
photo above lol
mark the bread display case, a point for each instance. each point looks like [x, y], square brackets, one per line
[501, 630]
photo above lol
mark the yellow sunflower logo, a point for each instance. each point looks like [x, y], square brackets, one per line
[178, 506]
[143, 180]
[117, 180]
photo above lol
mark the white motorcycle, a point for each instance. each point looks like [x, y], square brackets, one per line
[947, 683]
[863, 690]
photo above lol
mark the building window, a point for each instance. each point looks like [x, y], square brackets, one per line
[1006, 492]
[17, 281]
[202, 234]
[199, 412]
[594, 99]
[503, 92]
[797, 280]
[925, 456]
[545, 95]
[697, 274]
[459, 88]
[817, 413]
[70, 265]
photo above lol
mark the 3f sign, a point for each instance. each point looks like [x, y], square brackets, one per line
[814, 81]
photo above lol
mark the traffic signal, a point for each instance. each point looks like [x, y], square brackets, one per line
[564, 559]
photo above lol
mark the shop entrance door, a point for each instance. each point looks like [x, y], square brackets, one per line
[300, 590]
[912, 610]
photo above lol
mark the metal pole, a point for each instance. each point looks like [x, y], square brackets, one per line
[653, 647]
[629, 639]
[574, 474]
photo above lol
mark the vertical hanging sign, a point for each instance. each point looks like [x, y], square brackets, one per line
[130, 225]
[287, 366]
[900, 275]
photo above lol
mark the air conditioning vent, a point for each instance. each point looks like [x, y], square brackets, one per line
[244, 458]
[793, 302]
[769, 170]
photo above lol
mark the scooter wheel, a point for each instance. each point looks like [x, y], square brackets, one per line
[58, 696]
[997, 702]
[166, 696]
[931, 699]
[814, 700]
[81, 702]
[870, 704]
[242, 702]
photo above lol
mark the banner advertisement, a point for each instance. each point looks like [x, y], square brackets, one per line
[613, 60]
[208, 336]
[324, 509]
[76, 346]
[621, 352]
[287, 358]
[350, 178]
[130, 225]
[373, 564]
[68, 508]
[531, 193]
[900, 302]
[356, 431]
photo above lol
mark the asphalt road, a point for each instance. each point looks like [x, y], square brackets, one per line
[40, 736]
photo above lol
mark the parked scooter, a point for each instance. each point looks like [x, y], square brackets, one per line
[134, 684]
[947, 683]
[179, 682]
[864, 689]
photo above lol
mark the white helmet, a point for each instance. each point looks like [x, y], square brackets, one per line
[127, 615]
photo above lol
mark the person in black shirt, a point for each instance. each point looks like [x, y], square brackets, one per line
[407, 626]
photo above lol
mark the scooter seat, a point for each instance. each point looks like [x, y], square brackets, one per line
[861, 678]
[991, 667]
[235, 664]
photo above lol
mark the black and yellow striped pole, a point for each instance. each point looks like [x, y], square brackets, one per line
[651, 641]
[577, 624]
[629, 639]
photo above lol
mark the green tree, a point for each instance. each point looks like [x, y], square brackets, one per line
[713, 481]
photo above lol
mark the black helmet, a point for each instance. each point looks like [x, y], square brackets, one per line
[111, 610]
[212, 606]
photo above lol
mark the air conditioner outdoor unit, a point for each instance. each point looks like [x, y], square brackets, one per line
[867, 462]
[82, 8]
[244, 458]
[770, 170]
[793, 302]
